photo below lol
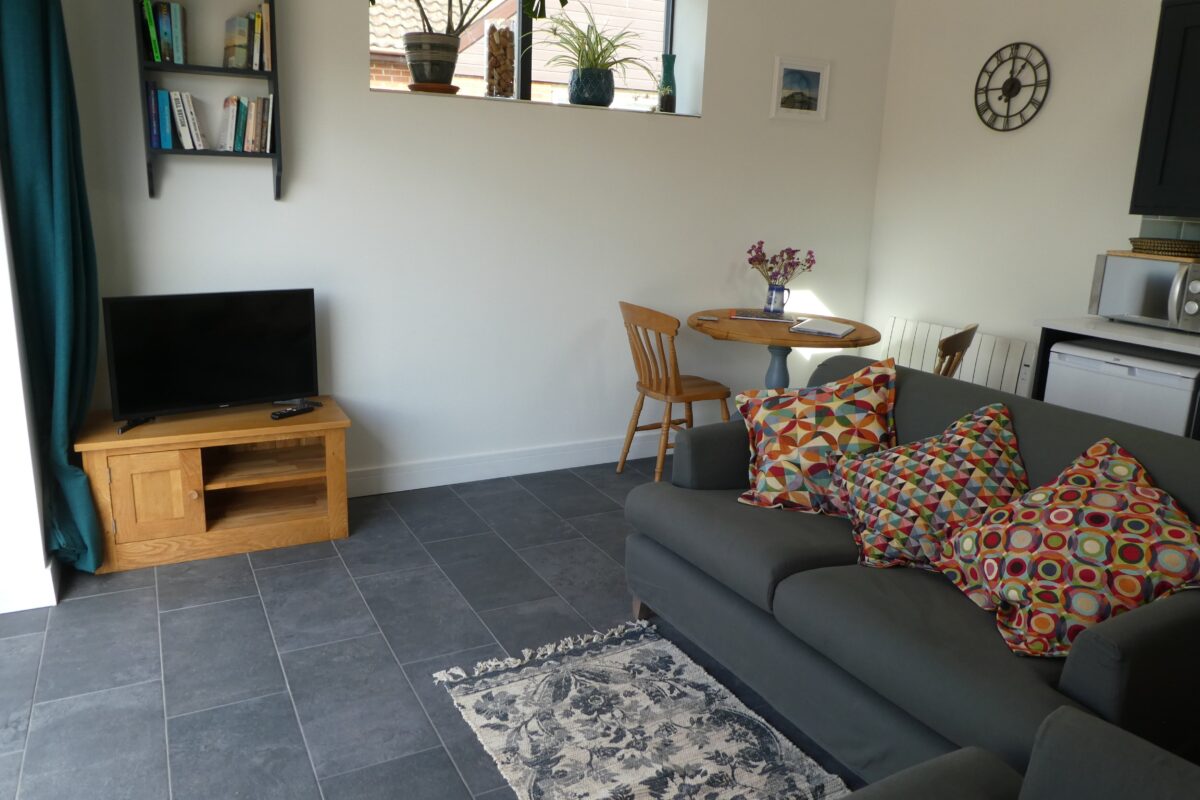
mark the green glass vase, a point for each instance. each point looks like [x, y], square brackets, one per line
[666, 89]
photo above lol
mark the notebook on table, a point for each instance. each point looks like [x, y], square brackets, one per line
[822, 327]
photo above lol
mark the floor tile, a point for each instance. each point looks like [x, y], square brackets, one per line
[646, 466]
[252, 749]
[100, 642]
[588, 579]
[282, 556]
[499, 579]
[606, 531]
[77, 584]
[521, 519]
[379, 540]
[422, 776]
[613, 485]
[566, 494]
[503, 793]
[421, 613]
[19, 623]
[437, 513]
[10, 769]
[467, 548]
[477, 767]
[19, 657]
[477, 489]
[311, 603]
[217, 654]
[531, 625]
[209, 581]
[355, 705]
[108, 744]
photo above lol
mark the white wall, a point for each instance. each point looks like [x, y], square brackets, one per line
[468, 255]
[26, 579]
[1003, 228]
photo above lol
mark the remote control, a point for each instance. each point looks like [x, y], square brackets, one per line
[291, 412]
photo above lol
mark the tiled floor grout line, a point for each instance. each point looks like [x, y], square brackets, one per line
[403, 672]
[203, 605]
[183, 714]
[107, 594]
[162, 674]
[335, 641]
[96, 691]
[294, 563]
[572, 527]
[29, 719]
[286, 682]
[389, 760]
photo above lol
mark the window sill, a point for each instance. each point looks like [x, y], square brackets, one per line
[541, 103]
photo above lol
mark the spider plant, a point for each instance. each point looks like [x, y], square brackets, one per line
[589, 47]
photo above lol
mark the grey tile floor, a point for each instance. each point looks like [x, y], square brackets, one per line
[305, 672]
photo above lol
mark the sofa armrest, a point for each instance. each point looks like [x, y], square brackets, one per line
[1077, 755]
[1138, 671]
[712, 457]
[967, 774]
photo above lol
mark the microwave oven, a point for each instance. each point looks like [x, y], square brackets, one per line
[1147, 291]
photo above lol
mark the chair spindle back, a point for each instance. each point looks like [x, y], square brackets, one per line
[951, 350]
[652, 343]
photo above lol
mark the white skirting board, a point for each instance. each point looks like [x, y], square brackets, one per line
[457, 469]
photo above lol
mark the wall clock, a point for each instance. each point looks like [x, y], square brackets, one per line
[1012, 86]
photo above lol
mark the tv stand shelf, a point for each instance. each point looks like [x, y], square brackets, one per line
[215, 483]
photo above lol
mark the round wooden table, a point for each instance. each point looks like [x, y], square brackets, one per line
[778, 339]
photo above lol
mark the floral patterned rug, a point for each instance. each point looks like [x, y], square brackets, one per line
[626, 716]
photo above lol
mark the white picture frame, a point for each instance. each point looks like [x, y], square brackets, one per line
[796, 81]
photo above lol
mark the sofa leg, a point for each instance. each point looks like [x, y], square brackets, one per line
[641, 610]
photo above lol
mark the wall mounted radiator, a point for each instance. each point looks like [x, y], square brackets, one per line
[993, 361]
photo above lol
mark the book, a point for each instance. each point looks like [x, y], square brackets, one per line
[237, 38]
[268, 61]
[256, 61]
[252, 113]
[194, 122]
[270, 148]
[229, 123]
[177, 36]
[239, 141]
[822, 327]
[152, 30]
[762, 316]
[163, 15]
[152, 114]
[181, 123]
[164, 120]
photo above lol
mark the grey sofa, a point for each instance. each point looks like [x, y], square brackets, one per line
[886, 669]
[1074, 755]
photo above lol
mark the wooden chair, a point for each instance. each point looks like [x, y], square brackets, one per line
[951, 350]
[652, 342]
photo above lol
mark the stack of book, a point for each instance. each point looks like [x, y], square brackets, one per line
[248, 40]
[173, 121]
[248, 126]
[166, 32]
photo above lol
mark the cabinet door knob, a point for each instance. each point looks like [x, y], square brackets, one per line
[194, 494]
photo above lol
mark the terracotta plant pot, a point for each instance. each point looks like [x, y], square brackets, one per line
[592, 87]
[431, 57]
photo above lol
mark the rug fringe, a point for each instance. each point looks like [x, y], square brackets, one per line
[457, 674]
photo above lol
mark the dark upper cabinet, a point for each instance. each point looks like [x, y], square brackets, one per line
[1168, 170]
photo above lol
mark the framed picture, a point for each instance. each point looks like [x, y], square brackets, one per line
[801, 88]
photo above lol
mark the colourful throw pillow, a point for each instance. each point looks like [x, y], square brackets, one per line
[1093, 543]
[796, 435]
[902, 501]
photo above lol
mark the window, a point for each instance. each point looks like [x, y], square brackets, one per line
[650, 20]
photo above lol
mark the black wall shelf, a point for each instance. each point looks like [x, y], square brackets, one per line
[148, 69]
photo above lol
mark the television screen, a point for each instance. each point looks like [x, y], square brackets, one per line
[173, 353]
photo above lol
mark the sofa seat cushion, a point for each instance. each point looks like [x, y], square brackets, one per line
[748, 549]
[915, 639]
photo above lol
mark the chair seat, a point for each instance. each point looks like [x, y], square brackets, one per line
[692, 388]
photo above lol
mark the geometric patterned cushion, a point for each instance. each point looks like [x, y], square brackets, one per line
[901, 502]
[1093, 543]
[797, 435]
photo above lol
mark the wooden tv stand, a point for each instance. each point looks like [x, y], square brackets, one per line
[215, 483]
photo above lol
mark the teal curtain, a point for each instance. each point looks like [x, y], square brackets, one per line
[54, 260]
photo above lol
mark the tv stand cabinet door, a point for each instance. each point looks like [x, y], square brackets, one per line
[157, 495]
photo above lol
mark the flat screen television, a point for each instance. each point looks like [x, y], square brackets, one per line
[187, 352]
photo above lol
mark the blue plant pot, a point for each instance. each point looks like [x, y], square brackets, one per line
[592, 87]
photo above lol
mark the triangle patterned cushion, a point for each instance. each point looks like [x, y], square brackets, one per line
[796, 435]
[1095, 542]
[901, 502]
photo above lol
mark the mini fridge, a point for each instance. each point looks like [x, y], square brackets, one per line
[1137, 385]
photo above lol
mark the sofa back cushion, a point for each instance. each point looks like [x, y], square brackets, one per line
[1050, 437]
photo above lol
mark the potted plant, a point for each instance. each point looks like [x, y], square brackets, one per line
[592, 55]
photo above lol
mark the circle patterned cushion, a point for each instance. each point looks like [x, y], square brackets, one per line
[1097, 541]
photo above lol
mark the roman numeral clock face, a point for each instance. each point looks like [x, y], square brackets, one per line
[1012, 86]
